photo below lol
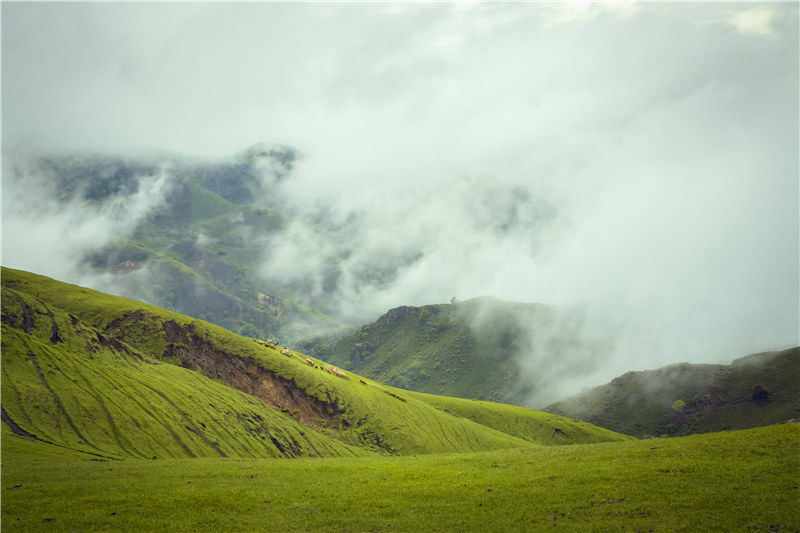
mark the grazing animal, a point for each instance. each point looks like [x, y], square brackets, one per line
[362, 381]
[309, 362]
[338, 373]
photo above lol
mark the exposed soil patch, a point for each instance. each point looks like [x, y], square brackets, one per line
[25, 322]
[246, 375]
[55, 335]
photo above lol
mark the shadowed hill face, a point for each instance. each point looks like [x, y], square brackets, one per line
[681, 399]
[112, 376]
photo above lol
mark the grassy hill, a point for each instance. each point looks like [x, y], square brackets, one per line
[680, 399]
[730, 481]
[115, 377]
[468, 349]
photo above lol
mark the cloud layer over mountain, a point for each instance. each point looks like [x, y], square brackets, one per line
[637, 159]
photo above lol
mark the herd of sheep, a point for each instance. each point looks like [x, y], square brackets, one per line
[329, 369]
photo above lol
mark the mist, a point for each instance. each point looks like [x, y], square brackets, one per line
[637, 160]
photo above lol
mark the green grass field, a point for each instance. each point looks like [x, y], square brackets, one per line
[731, 481]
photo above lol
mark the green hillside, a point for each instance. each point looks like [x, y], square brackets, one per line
[680, 399]
[116, 377]
[730, 481]
[469, 349]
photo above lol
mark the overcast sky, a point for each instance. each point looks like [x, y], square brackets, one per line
[665, 136]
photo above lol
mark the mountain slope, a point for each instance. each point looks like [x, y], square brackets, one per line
[113, 376]
[470, 349]
[680, 399]
[528, 424]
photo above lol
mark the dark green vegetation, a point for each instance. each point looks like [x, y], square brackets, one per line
[472, 349]
[680, 399]
[468, 349]
[730, 481]
[115, 377]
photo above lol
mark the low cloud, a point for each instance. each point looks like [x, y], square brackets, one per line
[755, 21]
[49, 227]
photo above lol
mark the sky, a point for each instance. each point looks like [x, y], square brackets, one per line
[663, 137]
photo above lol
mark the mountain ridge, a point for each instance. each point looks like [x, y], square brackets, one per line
[683, 398]
[469, 349]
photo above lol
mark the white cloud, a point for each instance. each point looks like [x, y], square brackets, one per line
[755, 21]
[45, 236]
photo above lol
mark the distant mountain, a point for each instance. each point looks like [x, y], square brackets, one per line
[199, 247]
[114, 377]
[681, 399]
[472, 349]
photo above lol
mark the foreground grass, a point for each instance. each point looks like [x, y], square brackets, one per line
[724, 481]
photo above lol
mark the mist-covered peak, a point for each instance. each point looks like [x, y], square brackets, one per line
[281, 154]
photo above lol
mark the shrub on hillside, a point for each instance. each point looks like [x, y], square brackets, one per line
[760, 393]
[679, 405]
